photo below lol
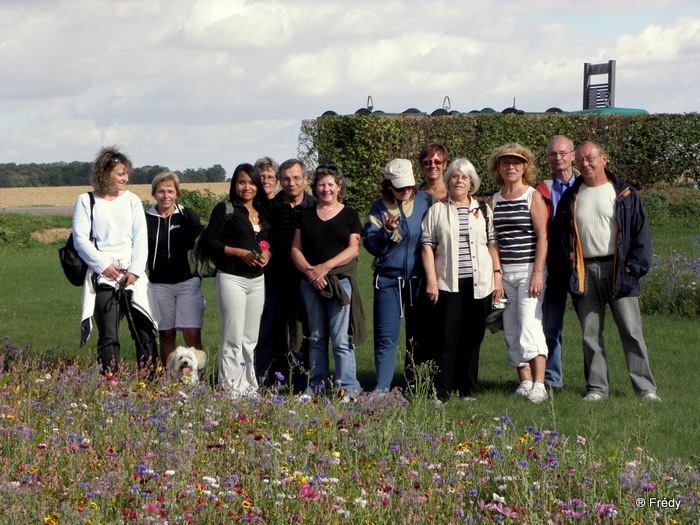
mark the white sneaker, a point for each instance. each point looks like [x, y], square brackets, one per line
[651, 396]
[523, 389]
[538, 393]
[468, 398]
[593, 396]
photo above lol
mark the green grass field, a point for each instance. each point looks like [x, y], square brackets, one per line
[39, 308]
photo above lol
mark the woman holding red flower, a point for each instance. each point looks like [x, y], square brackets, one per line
[239, 245]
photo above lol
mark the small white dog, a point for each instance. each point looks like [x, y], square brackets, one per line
[184, 364]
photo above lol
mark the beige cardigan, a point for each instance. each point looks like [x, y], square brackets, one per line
[441, 225]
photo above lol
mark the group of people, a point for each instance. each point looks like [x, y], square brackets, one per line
[286, 281]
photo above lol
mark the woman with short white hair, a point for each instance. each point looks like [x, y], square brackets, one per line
[459, 257]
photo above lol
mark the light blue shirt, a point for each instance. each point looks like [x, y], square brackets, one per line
[558, 189]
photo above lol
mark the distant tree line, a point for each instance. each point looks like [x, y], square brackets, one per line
[78, 174]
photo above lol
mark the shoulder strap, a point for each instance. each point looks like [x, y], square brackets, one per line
[229, 208]
[483, 206]
[92, 207]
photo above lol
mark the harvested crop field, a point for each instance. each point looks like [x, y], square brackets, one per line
[66, 195]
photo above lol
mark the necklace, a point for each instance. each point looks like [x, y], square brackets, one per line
[329, 209]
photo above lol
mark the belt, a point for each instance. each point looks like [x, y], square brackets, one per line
[606, 258]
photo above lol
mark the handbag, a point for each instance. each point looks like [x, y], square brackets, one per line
[201, 264]
[73, 266]
[494, 315]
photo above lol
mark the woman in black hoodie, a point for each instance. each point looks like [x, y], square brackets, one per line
[172, 230]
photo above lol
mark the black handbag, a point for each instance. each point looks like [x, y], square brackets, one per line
[73, 266]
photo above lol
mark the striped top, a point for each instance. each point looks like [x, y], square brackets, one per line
[516, 233]
[464, 259]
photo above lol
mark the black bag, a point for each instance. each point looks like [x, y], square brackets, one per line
[73, 266]
[201, 264]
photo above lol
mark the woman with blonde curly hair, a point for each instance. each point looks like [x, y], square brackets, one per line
[109, 230]
[520, 218]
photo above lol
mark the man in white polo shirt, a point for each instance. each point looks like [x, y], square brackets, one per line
[603, 233]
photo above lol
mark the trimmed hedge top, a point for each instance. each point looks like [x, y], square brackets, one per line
[642, 149]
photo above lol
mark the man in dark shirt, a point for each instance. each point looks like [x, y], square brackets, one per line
[280, 339]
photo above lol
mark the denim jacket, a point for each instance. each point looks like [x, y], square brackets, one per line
[397, 253]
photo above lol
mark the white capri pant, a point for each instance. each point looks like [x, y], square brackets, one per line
[181, 305]
[241, 301]
[522, 320]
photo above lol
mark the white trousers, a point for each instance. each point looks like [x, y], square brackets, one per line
[522, 320]
[240, 301]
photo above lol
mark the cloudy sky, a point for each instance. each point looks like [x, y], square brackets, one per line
[193, 83]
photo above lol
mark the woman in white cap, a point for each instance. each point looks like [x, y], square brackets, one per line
[459, 255]
[392, 235]
[521, 217]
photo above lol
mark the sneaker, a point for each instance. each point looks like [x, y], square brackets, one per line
[651, 396]
[594, 396]
[524, 389]
[468, 398]
[538, 393]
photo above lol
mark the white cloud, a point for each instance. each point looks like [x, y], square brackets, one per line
[190, 83]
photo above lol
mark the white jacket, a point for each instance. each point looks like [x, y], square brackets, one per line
[441, 226]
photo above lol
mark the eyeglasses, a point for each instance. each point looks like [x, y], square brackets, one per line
[429, 162]
[562, 154]
[401, 190]
[589, 159]
[289, 180]
[268, 177]
[511, 162]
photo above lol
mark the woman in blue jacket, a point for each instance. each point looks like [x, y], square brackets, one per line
[392, 234]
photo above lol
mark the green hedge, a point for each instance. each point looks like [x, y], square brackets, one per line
[642, 149]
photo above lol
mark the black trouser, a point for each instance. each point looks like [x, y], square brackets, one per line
[110, 306]
[461, 325]
[278, 327]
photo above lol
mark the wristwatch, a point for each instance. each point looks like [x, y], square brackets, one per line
[498, 270]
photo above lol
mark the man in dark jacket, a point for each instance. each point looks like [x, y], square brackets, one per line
[280, 339]
[604, 239]
[561, 157]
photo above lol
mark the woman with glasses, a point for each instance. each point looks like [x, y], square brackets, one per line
[459, 255]
[392, 235]
[325, 249]
[268, 169]
[109, 231]
[521, 222]
[433, 161]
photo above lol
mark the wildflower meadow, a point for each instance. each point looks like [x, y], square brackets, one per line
[75, 449]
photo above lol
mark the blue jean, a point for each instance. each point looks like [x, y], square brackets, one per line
[329, 320]
[394, 298]
[590, 307]
[553, 309]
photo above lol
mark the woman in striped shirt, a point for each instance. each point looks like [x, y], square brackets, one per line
[520, 219]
